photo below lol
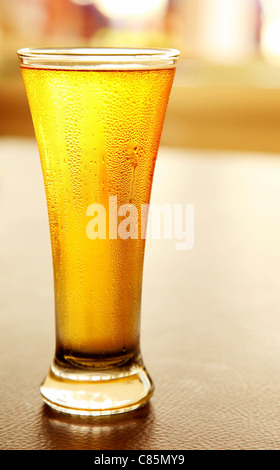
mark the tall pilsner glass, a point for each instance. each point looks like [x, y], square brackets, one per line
[98, 116]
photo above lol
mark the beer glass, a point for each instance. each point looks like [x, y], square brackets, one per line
[98, 115]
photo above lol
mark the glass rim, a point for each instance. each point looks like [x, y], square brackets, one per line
[97, 57]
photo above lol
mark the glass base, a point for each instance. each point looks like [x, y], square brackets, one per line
[94, 392]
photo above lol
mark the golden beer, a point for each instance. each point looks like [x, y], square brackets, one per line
[98, 130]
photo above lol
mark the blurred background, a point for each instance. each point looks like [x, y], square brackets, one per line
[226, 93]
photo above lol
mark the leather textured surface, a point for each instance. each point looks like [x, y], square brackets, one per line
[210, 315]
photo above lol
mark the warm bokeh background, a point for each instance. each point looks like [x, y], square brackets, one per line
[227, 89]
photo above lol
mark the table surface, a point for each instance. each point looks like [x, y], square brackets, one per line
[210, 315]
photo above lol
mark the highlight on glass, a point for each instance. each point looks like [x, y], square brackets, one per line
[98, 115]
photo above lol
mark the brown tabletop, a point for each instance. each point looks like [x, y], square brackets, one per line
[210, 315]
